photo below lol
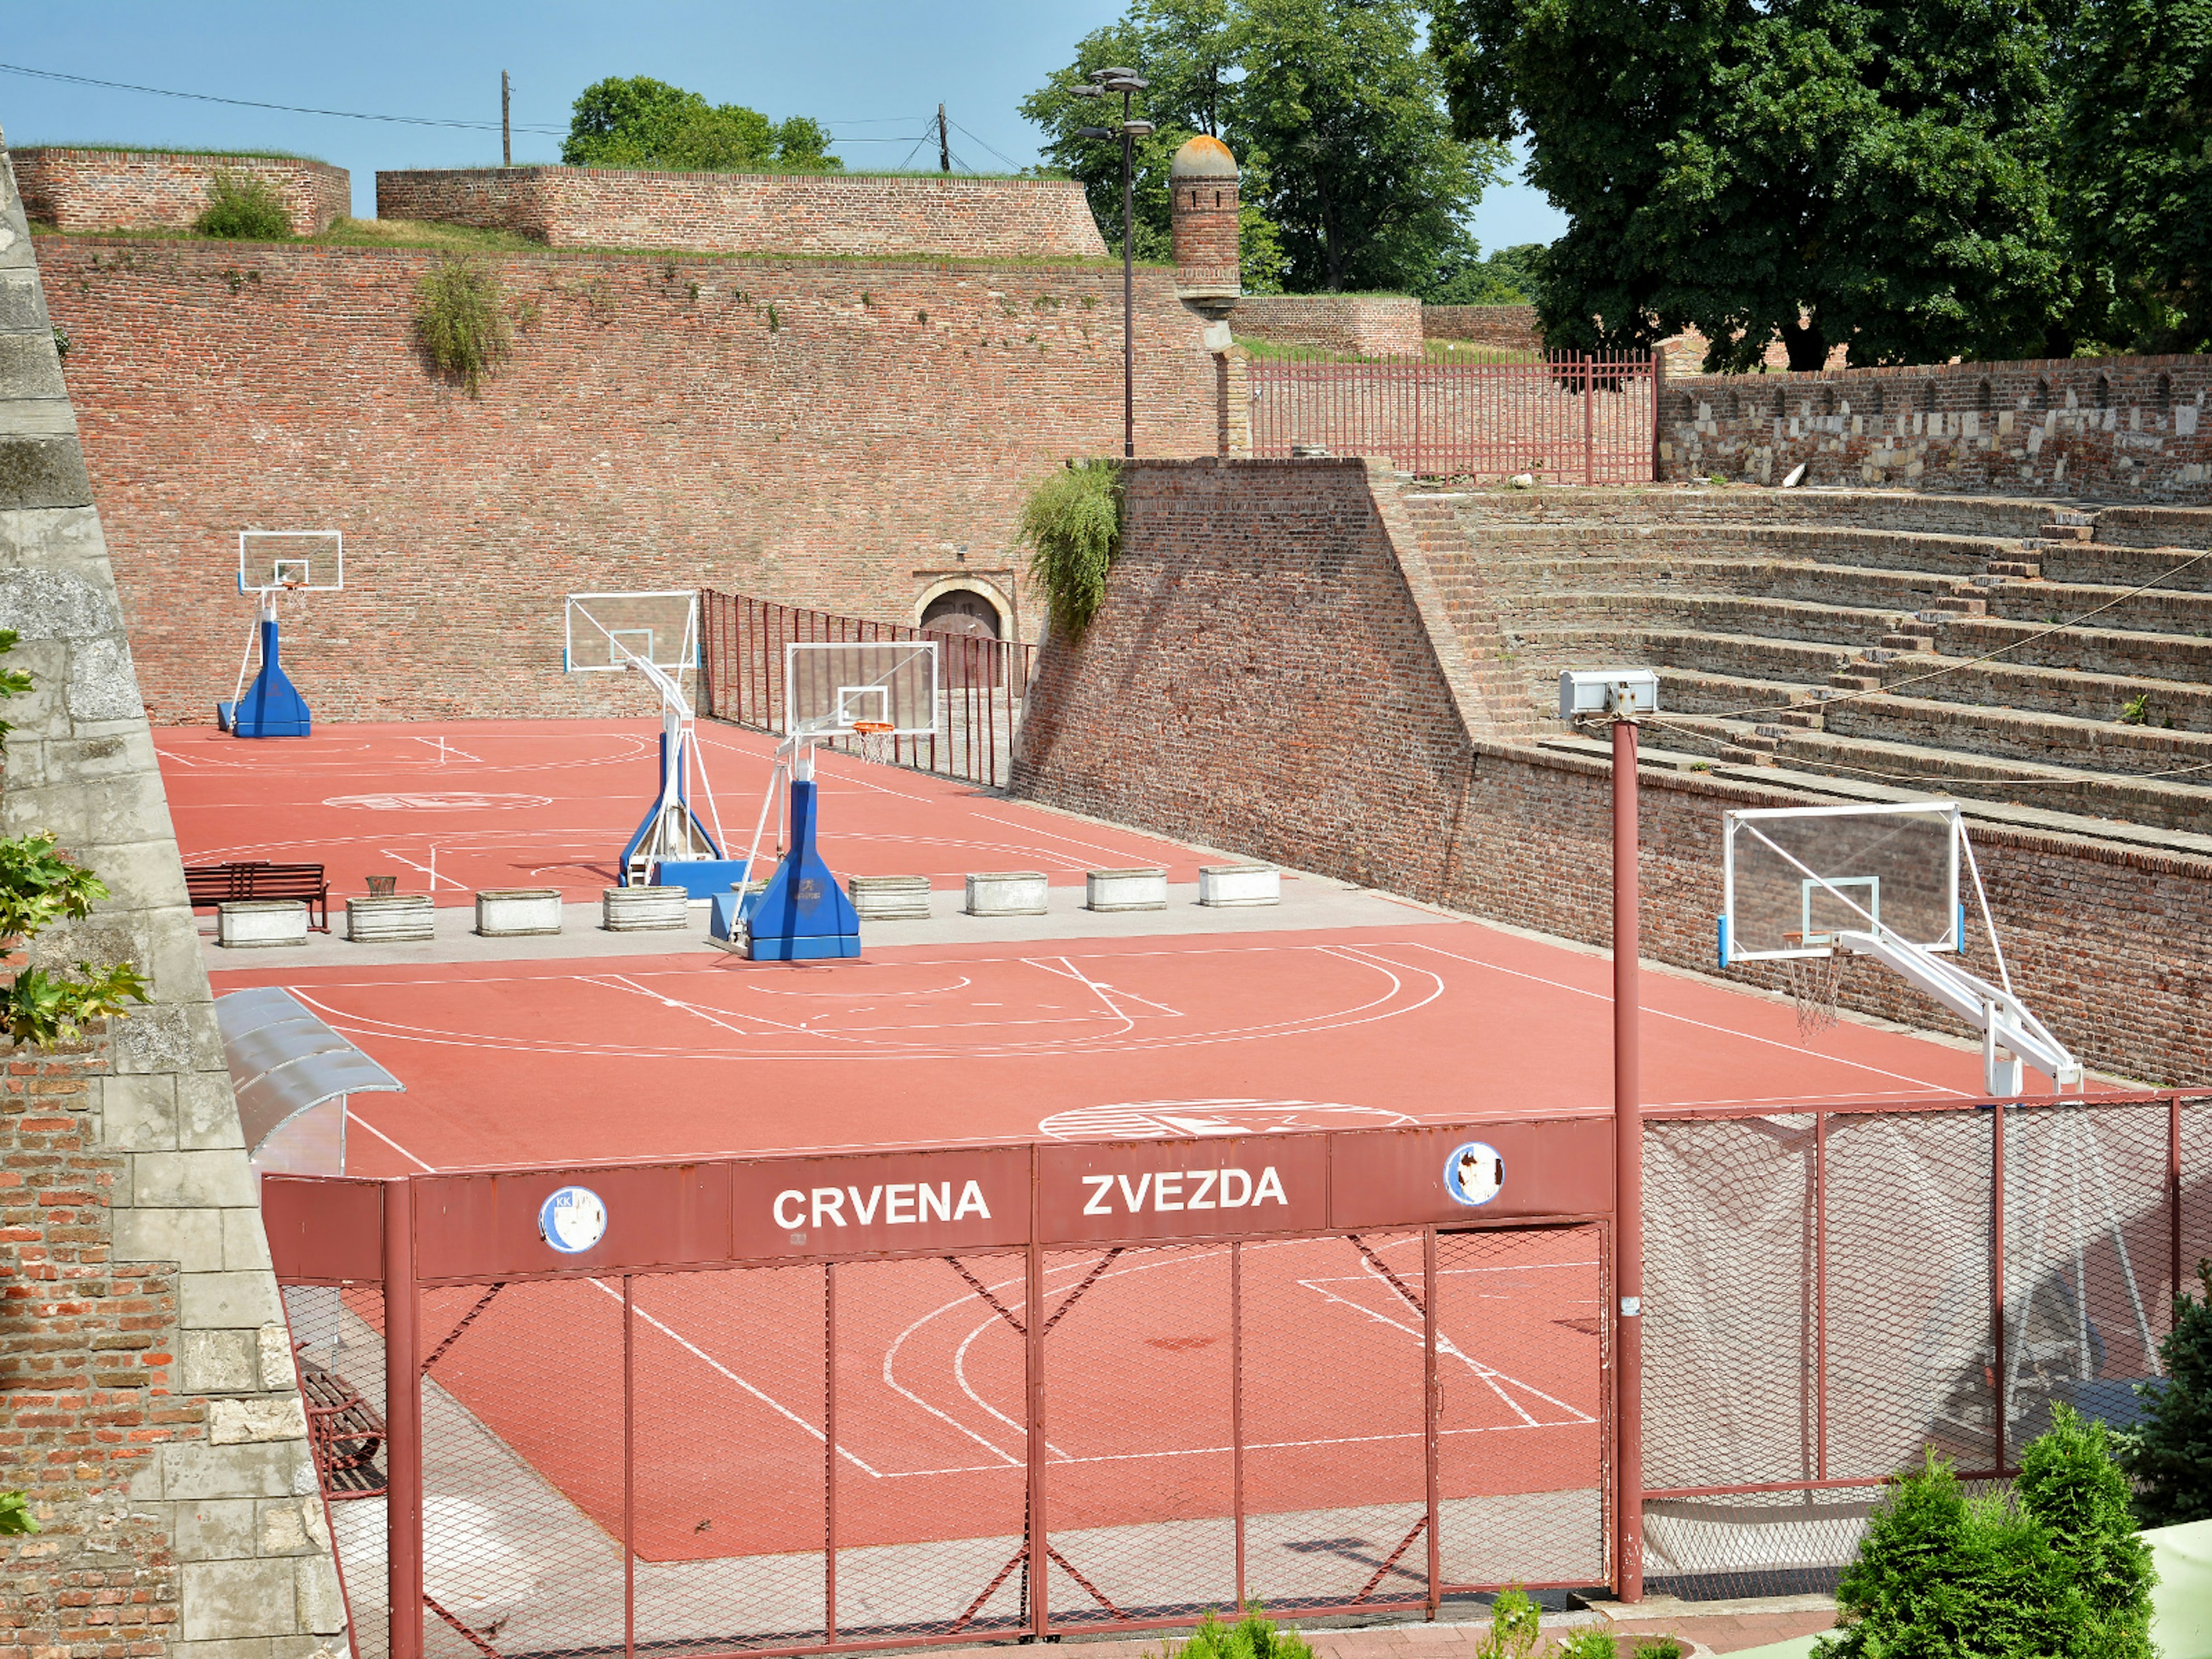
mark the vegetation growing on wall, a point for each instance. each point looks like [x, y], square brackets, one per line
[244, 207]
[1072, 525]
[461, 317]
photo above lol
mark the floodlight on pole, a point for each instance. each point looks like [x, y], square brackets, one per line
[1128, 83]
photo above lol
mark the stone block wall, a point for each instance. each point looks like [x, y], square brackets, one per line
[2114, 428]
[844, 436]
[147, 1401]
[1509, 328]
[157, 190]
[755, 213]
[1272, 673]
[1369, 325]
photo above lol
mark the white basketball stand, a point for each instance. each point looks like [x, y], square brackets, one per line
[272, 563]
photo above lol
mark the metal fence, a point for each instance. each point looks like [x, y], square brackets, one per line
[982, 682]
[754, 1429]
[1566, 419]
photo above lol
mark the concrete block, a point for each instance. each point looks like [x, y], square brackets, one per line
[644, 909]
[889, 898]
[175, 1038]
[397, 918]
[280, 1527]
[251, 1647]
[1227, 885]
[138, 1114]
[180, 1180]
[245, 1241]
[190, 1238]
[219, 1362]
[518, 912]
[1126, 890]
[217, 1529]
[261, 924]
[232, 1599]
[228, 1301]
[274, 1344]
[207, 1113]
[264, 1417]
[254, 1469]
[1005, 893]
[320, 1607]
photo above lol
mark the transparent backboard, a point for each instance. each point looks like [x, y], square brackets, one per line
[607, 631]
[305, 561]
[1794, 877]
[830, 690]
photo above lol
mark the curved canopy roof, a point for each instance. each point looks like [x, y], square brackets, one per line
[283, 1060]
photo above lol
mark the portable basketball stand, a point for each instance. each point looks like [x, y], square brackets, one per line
[874, 691]
[272, 707]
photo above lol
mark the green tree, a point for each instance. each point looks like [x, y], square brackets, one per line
[2169, 1453]
[639, 122]
[1509, 277]
[1351, 178]
[1874, 174]
[2071, 1486]
[2137, 152]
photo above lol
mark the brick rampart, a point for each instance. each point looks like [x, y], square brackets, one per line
[2110, 428]
[1510, 328]
[1268, 674]
[832, 435]
[1371, 324]
[154, 190]
[756, 213]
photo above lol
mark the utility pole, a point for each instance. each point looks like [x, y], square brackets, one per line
[506, 130]
[943, 144]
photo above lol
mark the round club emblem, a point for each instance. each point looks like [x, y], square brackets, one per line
[1475, 1173]
[572, 1221]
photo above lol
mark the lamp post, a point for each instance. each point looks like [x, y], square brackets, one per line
[1127, 83]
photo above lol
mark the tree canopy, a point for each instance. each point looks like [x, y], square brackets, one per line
[639, 122]
[1351, 176]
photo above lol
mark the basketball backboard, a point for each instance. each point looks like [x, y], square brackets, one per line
[831, 690]
[606, 632]
[299, 561]
[1794, 877]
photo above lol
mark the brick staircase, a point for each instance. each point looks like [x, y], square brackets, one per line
[1843, 633]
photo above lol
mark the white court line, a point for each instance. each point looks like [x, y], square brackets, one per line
[429, 870]
[353, 1116]
[1105, 994]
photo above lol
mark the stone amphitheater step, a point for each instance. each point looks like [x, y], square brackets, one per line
[1800, 664]
[1961, 556]
[1887, 591]
[2013, 733]
[2165, 803]
[2175, 569]
[1706, 613]
[2160, 611]
[2126, 652]
[1885, 510]
[2162, 527]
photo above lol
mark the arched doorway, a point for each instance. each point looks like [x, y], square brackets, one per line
[964, 611]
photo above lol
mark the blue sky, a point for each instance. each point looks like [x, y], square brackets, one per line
[873, 69]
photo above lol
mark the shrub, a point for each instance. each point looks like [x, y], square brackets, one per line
[1590, 1642]
[2069, 1484]
[461, 320]
[1514, 1627]
[244, 208]
[2169, 1452]
[1254, 1636]
[1072, 523]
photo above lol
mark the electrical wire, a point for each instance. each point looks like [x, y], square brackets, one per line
[987, 144]
[289, 109]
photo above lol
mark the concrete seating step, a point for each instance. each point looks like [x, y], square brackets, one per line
[1774, 619]
[2128, 652]
[2014, 734]
[2176, 569]
[1836, 545]
[1565, 644]
[2159, 610]
[1639, 572]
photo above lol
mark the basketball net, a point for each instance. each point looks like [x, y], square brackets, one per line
[1814, 982]
[873, 741]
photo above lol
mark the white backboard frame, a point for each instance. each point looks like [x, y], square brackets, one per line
[254, 554]
[596, 629]
[1856, 893]
[865, 692]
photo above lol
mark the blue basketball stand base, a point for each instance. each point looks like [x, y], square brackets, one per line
[802, 914]
[271, 707]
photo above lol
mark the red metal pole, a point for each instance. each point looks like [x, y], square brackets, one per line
[1432, 1416]
[1589, 420]
[403, 1423]
[1040, 1607]
[1997, 1279]
[1628, 1177]
[2173, 1197]
[1237, 1403]
[828, 1451]
[629, 1471]
[1821, 1294]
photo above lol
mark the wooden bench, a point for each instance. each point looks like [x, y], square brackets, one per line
[211, 884]
[344, 1433]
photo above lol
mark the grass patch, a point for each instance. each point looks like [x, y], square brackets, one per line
[242, 207]
[1433, 351]
[423, 233]
[179, 149]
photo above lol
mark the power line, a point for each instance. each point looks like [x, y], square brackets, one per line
[994, 150]
[250, 103]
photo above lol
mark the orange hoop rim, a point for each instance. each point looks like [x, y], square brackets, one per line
[872, 728]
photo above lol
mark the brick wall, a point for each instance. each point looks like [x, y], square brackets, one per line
[1272, 673]
[2117, 428]
[147, 1401]
[1512, 328]
[835, 435]
[1371, 324]
[755, 213]
[147, 189]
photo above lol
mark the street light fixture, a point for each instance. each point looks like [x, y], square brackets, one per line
[1127, 83]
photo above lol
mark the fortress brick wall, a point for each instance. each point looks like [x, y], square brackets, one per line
[755, 213]
[2115, 429]
[1509, 328]
[149, 189]
[837, 435]
[1272, 673]
[1371, 324]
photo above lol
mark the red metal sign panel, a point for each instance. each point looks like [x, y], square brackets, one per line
[817, 1207]
[323, 1227]
[1484, 1172]
[663, 1215]
[1182, 1189]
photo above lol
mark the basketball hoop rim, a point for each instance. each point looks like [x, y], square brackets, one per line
[872, 728]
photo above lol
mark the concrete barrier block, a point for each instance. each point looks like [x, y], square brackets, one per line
[1227, 885]
[254, 924]
[392, 919]
[516, 912]
[644, 909]
[1126, 890]
[889, 898]
[1007, 893]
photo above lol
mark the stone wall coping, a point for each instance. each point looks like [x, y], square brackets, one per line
[929, 180]
[1937, 371]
